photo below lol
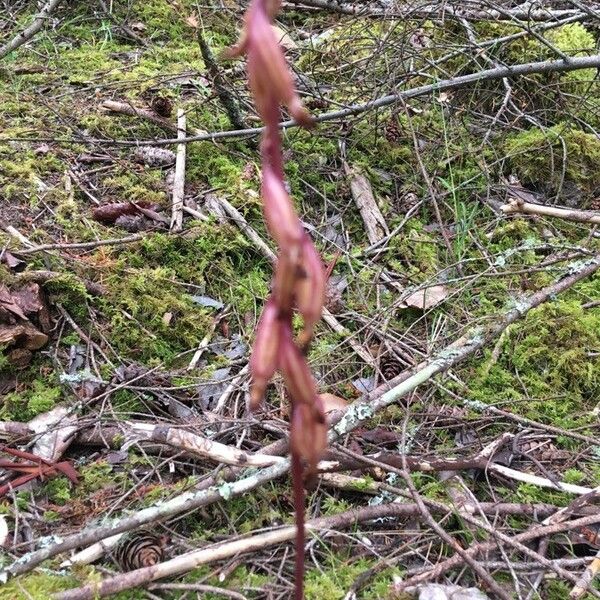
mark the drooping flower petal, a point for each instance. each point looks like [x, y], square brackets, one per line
[284, 281]
[269, 77]
[308, 436]
[298, 378]
[282, 220]
[263, 362]
[310, 289]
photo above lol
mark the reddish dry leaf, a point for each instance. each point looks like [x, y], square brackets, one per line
[11, 261]
[35, 467]
[28, 298]
[109, 213]
[8, 304]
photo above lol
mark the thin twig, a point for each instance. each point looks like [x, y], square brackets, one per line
[35, 26]
[543, 67]
[179, 179]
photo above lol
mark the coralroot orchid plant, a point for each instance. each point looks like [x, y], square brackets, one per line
[299, 279]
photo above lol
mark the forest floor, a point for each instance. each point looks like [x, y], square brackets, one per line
[125, 340]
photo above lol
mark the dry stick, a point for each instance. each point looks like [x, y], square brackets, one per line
[479, 461]
[584, 582]
[362, 193]
[43, 277]
[421, 12]
[199, 445]
[30, 31]
[133, 111]
[179, 179]
[198, 587]
[520, 566]
[18, 235]
[225, 96]
[528, 208]
[354, 416]
[191, 560]
[237, 217]
[430, 188]
[548, 66]
[517, 542]
[469, 519]
[441, 532]
[84, 245]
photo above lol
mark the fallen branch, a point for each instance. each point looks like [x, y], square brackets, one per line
[543, 67]
[43, 277]
[84, 245]
[199, 445]
[179, 179]
[527, 12]
[215, 552]
[516, 205]
[134, 111]
[362, 193]
[479, 461]
[344, 422]
[586, 579]
[516, 541]
[214, 71]
[31, 30]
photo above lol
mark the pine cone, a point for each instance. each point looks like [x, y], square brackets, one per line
[390, 367]
[392, 131]
[162, 106]
[138, 550]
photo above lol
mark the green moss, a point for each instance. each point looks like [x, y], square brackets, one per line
[548, 157]
[338, 573]
[546, 360]
[24, 405]
[97, 476]
[38, 586]
[58, 490]
[415, 253]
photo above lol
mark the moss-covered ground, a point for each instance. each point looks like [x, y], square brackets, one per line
[138, 310]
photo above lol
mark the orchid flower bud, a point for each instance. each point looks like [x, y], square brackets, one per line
[310, 289]
[280, 215]
[284, 280]
[264, 359]
[269, 76]
[308, 436]
[296, 373]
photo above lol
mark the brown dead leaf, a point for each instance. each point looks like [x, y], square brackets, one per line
[192, 21]
[109, 213]
[28, 298]
[8, 304]
[284, 38]
[24, 335]
[332, 402]
[427, 298]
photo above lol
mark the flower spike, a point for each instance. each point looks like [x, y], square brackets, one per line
[299, 279]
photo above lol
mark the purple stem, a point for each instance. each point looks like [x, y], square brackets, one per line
[298, 491]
